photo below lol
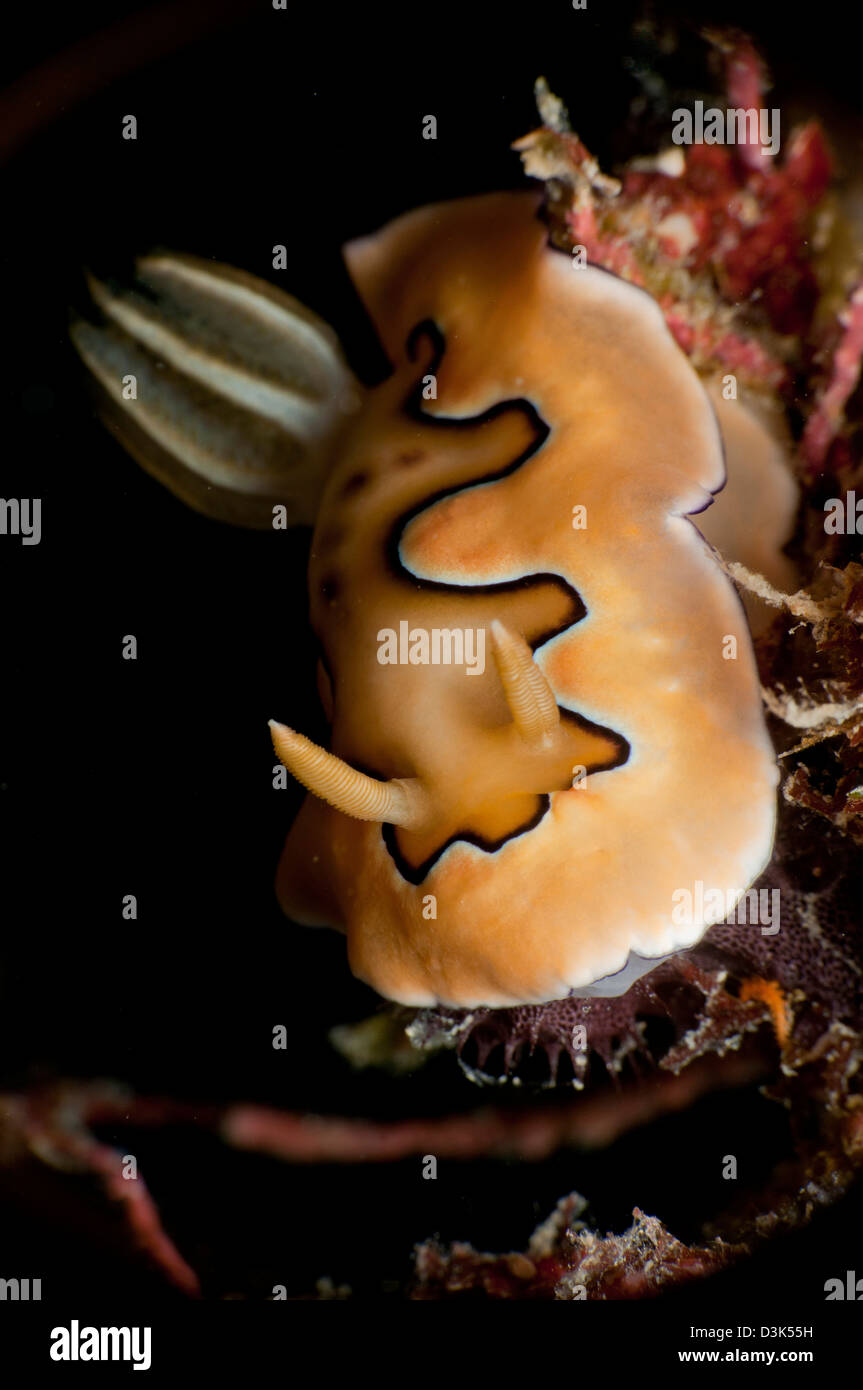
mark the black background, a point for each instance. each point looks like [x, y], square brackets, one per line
[154, 777]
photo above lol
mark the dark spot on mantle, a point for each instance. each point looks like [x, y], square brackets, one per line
[329, 538]
[355, 483]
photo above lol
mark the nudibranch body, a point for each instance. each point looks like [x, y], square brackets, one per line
[546, 719]
[526, 833]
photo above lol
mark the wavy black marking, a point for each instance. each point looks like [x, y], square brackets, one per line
[413, 407]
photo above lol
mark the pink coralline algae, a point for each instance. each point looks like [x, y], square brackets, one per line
[720, 236]
[568, 1262]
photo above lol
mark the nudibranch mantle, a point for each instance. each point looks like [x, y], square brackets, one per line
[557, 388]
